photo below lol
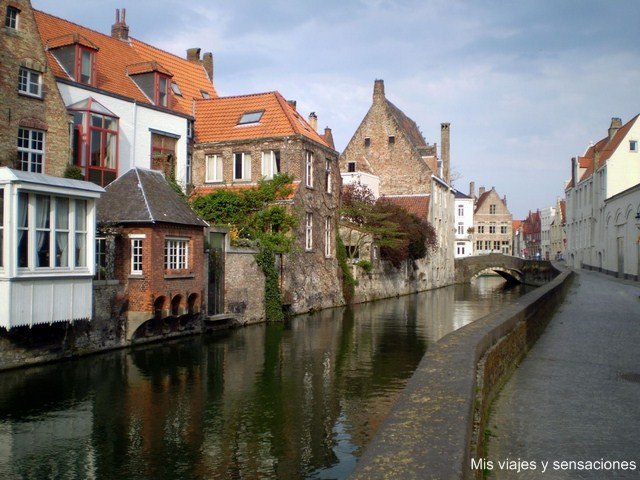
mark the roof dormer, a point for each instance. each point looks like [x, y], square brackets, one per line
[76, 55]
[154, 81]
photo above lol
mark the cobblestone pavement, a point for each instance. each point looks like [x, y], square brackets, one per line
[576, 396]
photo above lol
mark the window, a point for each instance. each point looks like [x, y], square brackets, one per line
[190, 129]
[136, 254]
[503, 229]
[1, 227]
[633, 145]
[163, 154]
[29, 82]
[270, 163]
[78, 61]
[351, 167]
[392, 139]
[101, 258]
[492, 229]
[367, 141]
[308, 231]
[460, 249]
[460, 228]
[479, 245]
[155, 85]
[250, 117]
[461, 210]
[309, 169]
[11, 18]
[492, 209]
[50, 228]
[31, 150]
[327, 237]
[214, 168]
[487, 244]
[327, 175]
[480, 228]
[205, 94]
[95, 141]
[176, 253]
[496, 245]
[189, 170]
[242, 166]
[176, 89]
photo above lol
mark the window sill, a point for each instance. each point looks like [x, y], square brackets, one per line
[30, 95]
[171, 276]
[136, 276]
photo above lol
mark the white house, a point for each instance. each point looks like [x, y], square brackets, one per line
[463, 224]
[47, 239]
[547, 216]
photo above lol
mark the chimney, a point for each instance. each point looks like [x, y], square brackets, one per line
[444, 150]
[328, 137]
[120, 30]
[574, 171]
[480, 191]
[292, 103]
[472, 189]
[193, 55]
[207, 63]
[504, 200]
[378, 91]
[616, 123]
[313, 121]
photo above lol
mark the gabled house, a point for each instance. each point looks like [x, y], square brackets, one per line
[463, 211]
[242, 139]
[531, 231]
[558, 232]
[389, 146]
[602, 202]
[153, 243]
[131, 103]
[35, 125]
[492, 223]
[518, 239]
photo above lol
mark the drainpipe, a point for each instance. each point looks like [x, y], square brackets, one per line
[135, 129]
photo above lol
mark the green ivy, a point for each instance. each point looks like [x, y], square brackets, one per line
[73, 172]
[348, 282]
[272, 294]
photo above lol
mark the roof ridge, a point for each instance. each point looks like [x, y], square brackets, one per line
[234, 96]
[75, 24]
[144, 195]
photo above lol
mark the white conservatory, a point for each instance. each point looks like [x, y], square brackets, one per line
[47, 248]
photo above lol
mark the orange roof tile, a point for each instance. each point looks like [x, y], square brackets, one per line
[516, 224]
[217, 119]
[415, 204]
[115, 56]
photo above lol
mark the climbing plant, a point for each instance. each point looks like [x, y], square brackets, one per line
[257, 218]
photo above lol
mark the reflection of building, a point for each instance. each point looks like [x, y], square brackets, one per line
[158, 246]
[47, 236]
[492, 223]
[131, 103]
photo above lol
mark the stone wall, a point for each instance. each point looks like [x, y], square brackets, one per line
[243, 286]
[23, 47]
[429, 432]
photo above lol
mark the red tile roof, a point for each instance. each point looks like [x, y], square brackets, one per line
[516, 224]
[115, 59]
[416, 204]
[218, 119]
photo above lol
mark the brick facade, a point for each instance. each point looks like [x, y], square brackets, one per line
[22, 47]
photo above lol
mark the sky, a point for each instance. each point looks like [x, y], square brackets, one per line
[525, 84]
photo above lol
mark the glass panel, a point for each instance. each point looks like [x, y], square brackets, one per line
[81, 250]
[110, 160]
[85, 74]
[96, 121]
[162, 91]
[110, 123]
[96, 140]
[66, 56]
[62, 213]
[43, 221]
[62, 249]
[81, 215]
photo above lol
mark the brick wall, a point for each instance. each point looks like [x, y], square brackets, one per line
[22, 47]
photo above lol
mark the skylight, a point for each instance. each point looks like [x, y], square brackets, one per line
[205, 94]
[250, 117]
[176, 88]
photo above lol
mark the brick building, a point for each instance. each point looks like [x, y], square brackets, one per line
[131, 104]
[242, 139]
[531, 232]
[492, 223]
[153, 244]
[35, 124]
[389, 145]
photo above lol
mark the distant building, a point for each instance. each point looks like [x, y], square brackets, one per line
[531, 231]
[547, 215]
[463, 211]
[389, 145]
[518, 239]
[492, 223]
[558, 231]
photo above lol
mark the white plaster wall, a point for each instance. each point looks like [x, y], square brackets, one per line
[467, 221]
[623, 167]
[620, 222]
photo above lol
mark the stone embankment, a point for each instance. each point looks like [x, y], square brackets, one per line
[437, 424]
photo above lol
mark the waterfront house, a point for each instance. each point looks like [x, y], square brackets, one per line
[131, 104]
[156, 245]
[463, 210]
[492, 223]
[47, 237]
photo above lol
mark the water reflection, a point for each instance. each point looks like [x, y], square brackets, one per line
[298, 400]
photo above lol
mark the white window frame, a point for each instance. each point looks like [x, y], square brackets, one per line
[136, 253]
[271, 163]
[245, 163]
[30, 82]
[460, 228]
[35, 157]
[461, 210]
[308, 237]
[213, 173]
[176, 253]
[327, 174]
[327, 237]
[12, 17]
[308, 169]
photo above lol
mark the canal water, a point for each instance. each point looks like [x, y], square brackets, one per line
[298, 400]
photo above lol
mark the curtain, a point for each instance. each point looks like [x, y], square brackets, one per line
[42, 229]
[23, 226]
[62, 232]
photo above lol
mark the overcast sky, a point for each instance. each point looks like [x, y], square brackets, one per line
[525, 84]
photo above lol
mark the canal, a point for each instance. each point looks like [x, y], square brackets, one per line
[298, 400]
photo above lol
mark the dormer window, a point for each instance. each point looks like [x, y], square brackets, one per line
[76, 55]
[11, 18]
[154, 81]
[248, 118]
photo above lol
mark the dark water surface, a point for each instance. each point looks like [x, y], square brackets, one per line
[299, 400]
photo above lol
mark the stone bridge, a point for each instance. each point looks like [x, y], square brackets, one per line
[512, 269]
